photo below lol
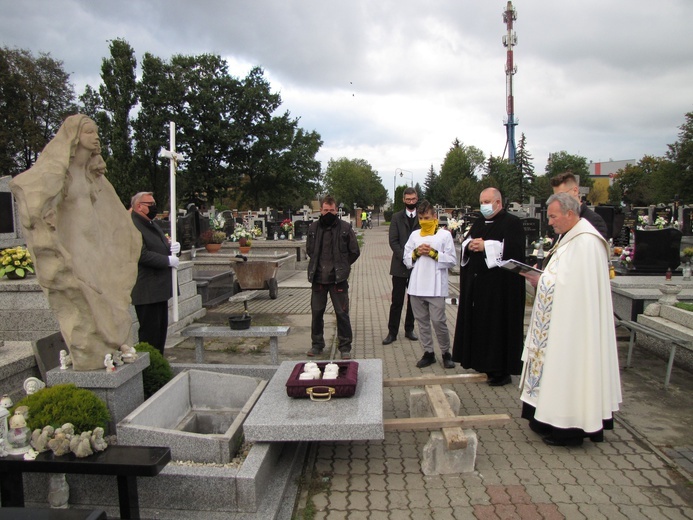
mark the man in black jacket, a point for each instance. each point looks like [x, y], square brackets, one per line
[566, 182]
[332, 248]
[154, 285]
[402, 224]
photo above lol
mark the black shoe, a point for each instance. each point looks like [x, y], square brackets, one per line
[410, 335]
[540, 428]
[314, 352]
[427, 360]
[345, 354]
[500, 380]
[389, 339]
[572, 441]
[447, 360]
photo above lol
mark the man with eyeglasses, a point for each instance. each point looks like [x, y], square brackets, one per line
[402, 224]
[154, 285]
[566, 182]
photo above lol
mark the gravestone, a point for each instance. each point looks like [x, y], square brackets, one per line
[259, 223]
[301, 228]
[657, 250]
[272, 228]
[608, 213]
[664, 212]
[164, 225]
[187, 231]
[10, 230]
[687, 221]
[531, 227]
[47, 352]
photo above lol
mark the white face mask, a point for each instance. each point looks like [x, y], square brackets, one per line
[487, 210]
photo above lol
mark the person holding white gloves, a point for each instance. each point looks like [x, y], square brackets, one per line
[154, 285]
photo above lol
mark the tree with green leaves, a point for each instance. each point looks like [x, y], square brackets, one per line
[460, 164]
[524, 170]
[562, 161]
[353, 181]
[680, 155]
[35, 98]
[502, 175]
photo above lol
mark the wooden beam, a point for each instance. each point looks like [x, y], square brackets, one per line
[455, 439]
[435, 423]
[435, 380]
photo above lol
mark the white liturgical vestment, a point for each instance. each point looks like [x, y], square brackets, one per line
[571, 373]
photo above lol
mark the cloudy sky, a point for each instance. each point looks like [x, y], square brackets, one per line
[394, 82]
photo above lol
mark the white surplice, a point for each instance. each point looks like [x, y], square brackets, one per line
[571, 373]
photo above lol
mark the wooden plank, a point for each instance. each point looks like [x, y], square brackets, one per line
[435, 423]
[455, 439]
[435, 380]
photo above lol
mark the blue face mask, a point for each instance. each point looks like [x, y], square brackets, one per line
[487, 210]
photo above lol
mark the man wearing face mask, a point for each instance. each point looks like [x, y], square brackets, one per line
[489, 330]
[154, 285]
[332, 247]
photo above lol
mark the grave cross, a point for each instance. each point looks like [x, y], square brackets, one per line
[173, 213]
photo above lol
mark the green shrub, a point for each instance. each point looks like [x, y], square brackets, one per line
[66, 403]
[158, 373]
[387, 214]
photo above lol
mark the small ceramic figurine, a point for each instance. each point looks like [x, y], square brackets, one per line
[65, 360]
[6, 401]
[33, 385]
[3, 451]
[108, 363]
[98, 443]
[128, 353]
[18, 436]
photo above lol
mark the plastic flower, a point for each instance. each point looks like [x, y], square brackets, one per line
[16, 262]
[287, 225]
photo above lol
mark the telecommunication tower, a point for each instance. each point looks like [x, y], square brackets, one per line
[509, 41]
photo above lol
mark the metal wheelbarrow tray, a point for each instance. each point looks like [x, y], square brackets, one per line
[257, 274]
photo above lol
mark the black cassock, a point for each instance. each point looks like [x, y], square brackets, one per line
[489, 330]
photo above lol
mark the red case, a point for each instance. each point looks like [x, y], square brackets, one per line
[343, 386]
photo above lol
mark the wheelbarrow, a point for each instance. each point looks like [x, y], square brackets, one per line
[256, 275]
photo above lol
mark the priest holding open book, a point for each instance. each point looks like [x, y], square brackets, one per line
[489, 330]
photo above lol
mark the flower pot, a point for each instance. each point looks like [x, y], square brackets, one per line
[212, 248]
[239, 321]
[243, 242]
[244, 249]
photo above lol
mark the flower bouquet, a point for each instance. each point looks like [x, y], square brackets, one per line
[626, 258]
[217, 222]
[16, 262]
[287, 226]
[212, 237]
[242, 234]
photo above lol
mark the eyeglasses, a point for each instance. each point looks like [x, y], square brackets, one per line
[152, 203]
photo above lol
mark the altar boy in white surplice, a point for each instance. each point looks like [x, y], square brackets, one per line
[570, 382]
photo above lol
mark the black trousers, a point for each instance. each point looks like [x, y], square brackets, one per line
[153, 318]
[339, 294]
[399, 290]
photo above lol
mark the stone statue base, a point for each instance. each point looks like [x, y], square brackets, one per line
[122, 390]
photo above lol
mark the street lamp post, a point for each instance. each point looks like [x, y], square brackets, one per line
[401, 173]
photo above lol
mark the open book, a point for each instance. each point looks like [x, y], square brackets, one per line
[518, 267]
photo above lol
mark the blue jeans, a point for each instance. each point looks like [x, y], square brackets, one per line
[339, 293]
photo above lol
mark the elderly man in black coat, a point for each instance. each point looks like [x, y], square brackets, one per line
[490, 319]
[154, 285]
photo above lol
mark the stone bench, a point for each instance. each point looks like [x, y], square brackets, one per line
[671, 341]
[125, 462]
[207, 331]
[21, 513]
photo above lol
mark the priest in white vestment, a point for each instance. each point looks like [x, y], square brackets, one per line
[570, 381]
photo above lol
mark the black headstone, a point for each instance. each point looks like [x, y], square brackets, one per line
[607, 213]
[657, 250]
[165, 225]
[687, 222]
[272, 228]
[186, 231]
[47, 352]
[531, 227]
[301, 228]
[6, 216]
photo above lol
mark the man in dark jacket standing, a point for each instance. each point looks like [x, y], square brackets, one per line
[402, 224]
[154, 285]
[332, 248]
[566, 182]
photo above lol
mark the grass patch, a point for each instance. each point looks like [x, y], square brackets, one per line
[685, 306]
[317, 485]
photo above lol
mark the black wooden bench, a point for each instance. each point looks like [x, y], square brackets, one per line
[20, 513]
[125, 462]
[670, 341]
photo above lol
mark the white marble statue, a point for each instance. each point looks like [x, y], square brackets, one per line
[65, 360]
[108, 363]
[84, 244]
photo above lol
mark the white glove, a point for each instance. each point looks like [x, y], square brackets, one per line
[175, 248]
[173, 262]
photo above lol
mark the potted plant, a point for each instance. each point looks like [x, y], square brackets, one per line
[212, 240]
[16, 263]
[244, 237]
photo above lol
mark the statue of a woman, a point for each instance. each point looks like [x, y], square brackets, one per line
[84, 244]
